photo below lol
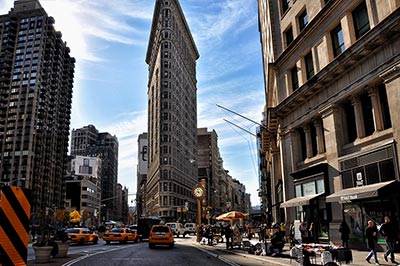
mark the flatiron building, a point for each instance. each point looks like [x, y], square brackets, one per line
[172, 114]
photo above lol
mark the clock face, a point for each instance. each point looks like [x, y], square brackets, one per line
[198, 192]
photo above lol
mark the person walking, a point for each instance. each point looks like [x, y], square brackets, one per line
[344, 230]
[388, 232]
[228, 236]
[372, 237]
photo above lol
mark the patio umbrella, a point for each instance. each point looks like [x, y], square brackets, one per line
[232, 215]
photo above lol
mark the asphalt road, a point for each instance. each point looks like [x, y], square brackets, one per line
[139, 254]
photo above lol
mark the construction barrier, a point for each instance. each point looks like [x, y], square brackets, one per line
[14, 225]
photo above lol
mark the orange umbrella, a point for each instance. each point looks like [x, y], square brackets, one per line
[232, 215]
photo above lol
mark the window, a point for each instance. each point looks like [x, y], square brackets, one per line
[289, 36]
[337, 40]
[360, 19]
[294, 78]
[350, 121]
[285, 5]
[387, 122]
[303, 147]
[367, 112]
[314, 144]
[308, 60]
[303, 20]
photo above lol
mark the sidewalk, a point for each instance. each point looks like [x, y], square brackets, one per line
[284, 258]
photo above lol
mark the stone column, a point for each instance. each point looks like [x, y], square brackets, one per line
[320, 137]
[355, 101]
[376, 108]
[334, 142]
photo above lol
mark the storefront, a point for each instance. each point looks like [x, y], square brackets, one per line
[310, 187]
[370, 202]
[370, 190]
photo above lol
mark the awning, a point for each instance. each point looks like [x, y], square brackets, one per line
[363, 192]
[299, 201]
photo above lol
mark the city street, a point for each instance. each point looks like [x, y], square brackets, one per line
[184, 253]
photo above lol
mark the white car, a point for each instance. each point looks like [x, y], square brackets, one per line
[177, 229]
[190, 228]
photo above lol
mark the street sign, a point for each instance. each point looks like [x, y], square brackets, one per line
[14, 225]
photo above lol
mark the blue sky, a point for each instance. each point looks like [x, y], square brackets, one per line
[109, 40]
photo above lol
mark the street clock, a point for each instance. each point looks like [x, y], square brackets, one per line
[199, 191]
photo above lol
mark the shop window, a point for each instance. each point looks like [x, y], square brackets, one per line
[303, 20]
[368, 115]
[387, 122]
[359, 176]
[372, 173]
[308, 60]
[360, 19]
[298, 192]
[320, 186]
[347, 179]
[337, 40]
[289, 36]
[387, 170]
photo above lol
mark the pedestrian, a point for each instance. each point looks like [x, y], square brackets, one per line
[282, 228]
[291, 234]
[344, 230]
[228, 236]
[262, 233]
[372, 237]
[388, 232]
[209, 235]
[303, 231]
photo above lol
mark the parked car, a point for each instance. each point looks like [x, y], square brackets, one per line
[82, 235]
[177, 229]
[190, 228]
[122, 235]
[161, 235]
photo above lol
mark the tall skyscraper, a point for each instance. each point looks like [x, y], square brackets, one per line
[36, 81]
[172, 113]
[87, 141]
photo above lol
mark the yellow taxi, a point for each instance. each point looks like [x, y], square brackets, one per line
[161, 235]
[82, 235]
[123, 235]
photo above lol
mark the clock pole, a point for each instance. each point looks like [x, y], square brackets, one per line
[198, 218]
[198, 193]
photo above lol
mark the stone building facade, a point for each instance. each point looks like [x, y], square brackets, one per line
[332, 120]
[172, 113]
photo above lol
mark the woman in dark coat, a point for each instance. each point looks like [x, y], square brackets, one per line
[344, 229]
[372, 236]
